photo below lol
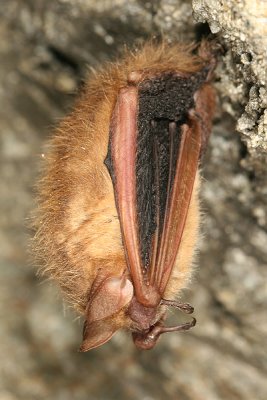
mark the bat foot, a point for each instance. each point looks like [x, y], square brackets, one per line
[184, 307]
[147, 340]
[179, 328]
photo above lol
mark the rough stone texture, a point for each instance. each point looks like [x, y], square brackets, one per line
[242, 27]
[45, 47]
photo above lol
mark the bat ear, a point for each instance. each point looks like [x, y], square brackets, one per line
[96, 334]
[110, 296]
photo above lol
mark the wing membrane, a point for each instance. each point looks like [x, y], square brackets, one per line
[123, 160]
[152, 184]
[178, 200]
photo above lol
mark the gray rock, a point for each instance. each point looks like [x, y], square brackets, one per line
[242, 27]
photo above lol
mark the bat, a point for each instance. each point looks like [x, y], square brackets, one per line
[118, 212]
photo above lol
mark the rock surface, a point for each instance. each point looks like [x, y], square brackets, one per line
[242, 27]
[45, 48]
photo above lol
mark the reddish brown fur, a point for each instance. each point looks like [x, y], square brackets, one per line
[78, 230]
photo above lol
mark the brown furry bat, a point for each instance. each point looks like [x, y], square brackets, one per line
[118, 213]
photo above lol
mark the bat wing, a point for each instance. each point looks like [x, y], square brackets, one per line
[156, 139]
[166, 243]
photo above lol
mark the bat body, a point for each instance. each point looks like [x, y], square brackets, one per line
[118, 214]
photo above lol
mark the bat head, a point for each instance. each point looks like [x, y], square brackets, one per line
[112, 306]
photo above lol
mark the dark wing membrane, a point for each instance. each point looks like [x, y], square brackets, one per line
[154, 149]
[167, 154]
[166, 246]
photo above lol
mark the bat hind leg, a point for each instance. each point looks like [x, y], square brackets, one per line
[157, 330]
[179, 328]
[184, 307]
[147, 340]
